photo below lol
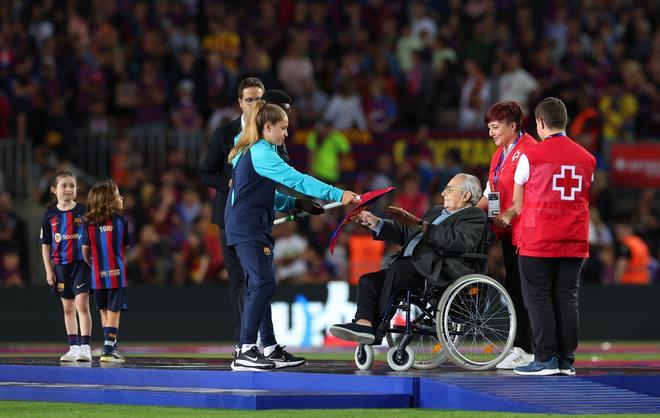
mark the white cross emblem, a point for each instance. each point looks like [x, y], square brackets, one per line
[566, 184]
[515, 156]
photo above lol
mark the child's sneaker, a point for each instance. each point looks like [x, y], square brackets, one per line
[112, 357]
[85, 353]
[72, 354]
[517, 357]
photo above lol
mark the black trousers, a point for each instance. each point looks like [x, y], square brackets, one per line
[550, 291]
[236, 283]
[513, 288]
[375, 289]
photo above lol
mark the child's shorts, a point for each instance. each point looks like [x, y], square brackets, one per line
[72, 279]
[111, 299]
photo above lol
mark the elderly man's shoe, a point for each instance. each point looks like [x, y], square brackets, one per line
[362, 334]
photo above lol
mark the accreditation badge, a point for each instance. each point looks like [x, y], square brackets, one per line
[493, 204]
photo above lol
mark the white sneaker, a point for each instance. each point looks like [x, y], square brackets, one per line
[72, 354]
[516, 358]
[85, 353]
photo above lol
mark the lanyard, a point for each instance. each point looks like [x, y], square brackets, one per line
[500, 163]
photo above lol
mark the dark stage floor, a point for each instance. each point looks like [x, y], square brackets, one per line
[321, 366]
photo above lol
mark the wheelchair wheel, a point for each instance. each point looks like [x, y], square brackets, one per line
[476, 321]
[364, 356]
[429, 352]
[400, 362]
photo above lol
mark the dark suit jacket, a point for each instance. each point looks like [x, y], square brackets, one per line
[215, 171]
[461, 232]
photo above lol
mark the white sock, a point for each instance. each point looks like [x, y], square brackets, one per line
[247, 347]
[269, 350]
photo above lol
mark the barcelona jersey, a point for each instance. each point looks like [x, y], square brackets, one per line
[63, 231]
[107, 242]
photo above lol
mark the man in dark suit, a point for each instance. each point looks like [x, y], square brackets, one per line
[215, 172]
[456, 228]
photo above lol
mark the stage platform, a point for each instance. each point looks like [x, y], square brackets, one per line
[209, 383]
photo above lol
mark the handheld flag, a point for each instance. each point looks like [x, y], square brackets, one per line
[366, 199]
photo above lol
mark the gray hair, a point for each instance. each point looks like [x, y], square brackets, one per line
[470, 184]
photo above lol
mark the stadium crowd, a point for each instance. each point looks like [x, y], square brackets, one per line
[119, 66]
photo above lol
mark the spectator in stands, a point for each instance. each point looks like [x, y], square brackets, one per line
[14, 235]
[10, 272]
[195, 260]
[598, 268]
[288, 254]
[310, 104]
[410, 196]
[149, 260]
[152, 96]
[515, 83]
[185, 115]
[295, 68]
[327, 148]
[645, 219]
[344, 110]
[379, 108]
[475, 97]
[633, 260]
[618, 109]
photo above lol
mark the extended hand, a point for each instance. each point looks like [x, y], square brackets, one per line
[349, 197]
[367, 219]
[402, 216]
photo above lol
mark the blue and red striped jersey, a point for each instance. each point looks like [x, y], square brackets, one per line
[63, 231]
[108, 243]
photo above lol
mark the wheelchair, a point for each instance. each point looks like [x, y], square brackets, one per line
[472, 322]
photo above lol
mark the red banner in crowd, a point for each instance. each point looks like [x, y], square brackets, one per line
[635, 165]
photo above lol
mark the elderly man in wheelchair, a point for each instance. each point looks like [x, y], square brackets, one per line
[432, 302]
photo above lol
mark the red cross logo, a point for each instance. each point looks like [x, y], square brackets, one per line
[565, 184]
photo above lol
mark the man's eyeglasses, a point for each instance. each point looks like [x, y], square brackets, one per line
[250, 100]
[450, 189]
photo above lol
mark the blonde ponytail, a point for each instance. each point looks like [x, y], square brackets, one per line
[260, 114]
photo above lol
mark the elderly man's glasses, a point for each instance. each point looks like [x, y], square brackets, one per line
[450, 189]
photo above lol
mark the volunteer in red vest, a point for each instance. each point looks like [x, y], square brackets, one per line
[551, 194]
[504, 121]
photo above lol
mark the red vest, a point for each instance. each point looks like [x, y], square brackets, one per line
[555, 218]
[505, 179]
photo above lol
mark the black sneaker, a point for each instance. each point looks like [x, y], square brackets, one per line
[362, 334]
[252, 360]
[283, 359]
